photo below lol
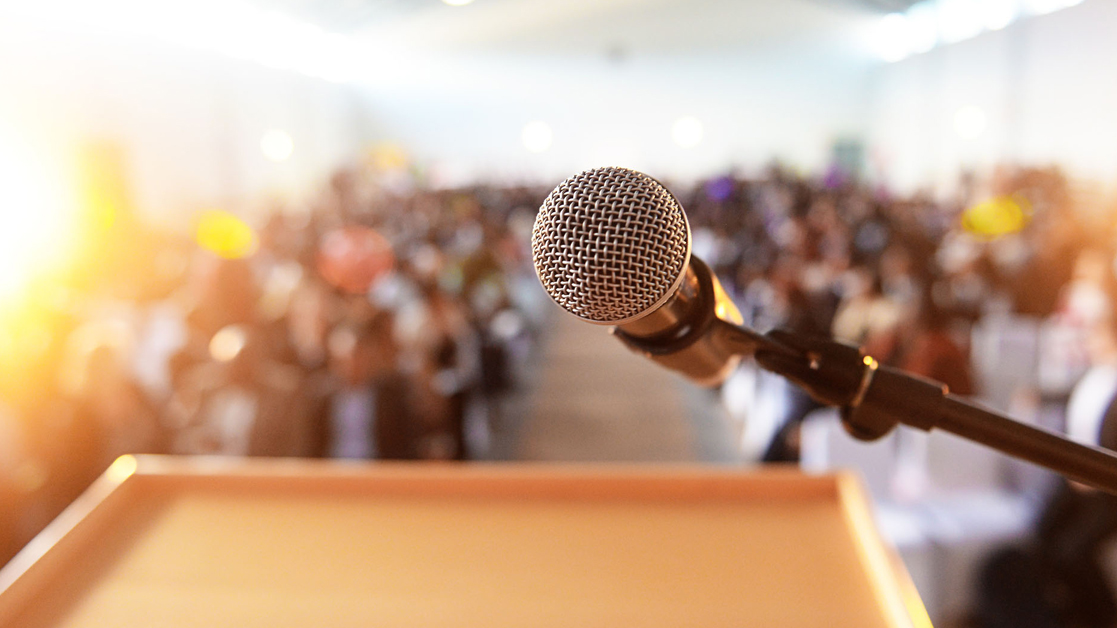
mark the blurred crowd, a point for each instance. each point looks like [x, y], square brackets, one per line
[384, 321]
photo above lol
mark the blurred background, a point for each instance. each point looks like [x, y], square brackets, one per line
[293, 228]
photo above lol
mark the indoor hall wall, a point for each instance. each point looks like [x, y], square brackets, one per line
[1047, 86]
[753, 108]
[189, 123]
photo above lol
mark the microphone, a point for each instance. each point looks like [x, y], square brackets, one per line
[612, 246]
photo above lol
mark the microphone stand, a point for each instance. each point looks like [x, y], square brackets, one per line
[873, 399]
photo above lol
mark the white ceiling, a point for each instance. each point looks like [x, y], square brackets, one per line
[579, 27]
[344, 16]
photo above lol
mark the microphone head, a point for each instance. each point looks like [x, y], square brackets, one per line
[610, 245]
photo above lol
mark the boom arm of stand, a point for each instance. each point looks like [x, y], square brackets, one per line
[874, 399]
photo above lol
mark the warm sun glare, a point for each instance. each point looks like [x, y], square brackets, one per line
[35, 214]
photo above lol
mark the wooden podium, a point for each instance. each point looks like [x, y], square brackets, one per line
[213, 543]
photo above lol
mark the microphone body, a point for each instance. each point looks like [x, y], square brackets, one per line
[683, 333]
[612, 246]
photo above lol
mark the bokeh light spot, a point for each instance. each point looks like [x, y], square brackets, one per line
[226, 235]
[277, 145]
[227, 343]
[537, 136]
[353, 258]
[996, 217]
[387, 156]
[687, 131]
[970, 122]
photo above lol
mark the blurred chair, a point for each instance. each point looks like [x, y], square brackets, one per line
[825, 445]
[1004, 352]
[941, 500]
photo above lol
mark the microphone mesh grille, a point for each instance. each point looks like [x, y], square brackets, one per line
[609, 244]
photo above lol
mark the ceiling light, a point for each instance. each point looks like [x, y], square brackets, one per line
[958, 20]
[997, 14]
[277, 145]
[1042, 7]
[687, 131]
[537, 136]
[970, 122]
[922, 27]
[892, 37]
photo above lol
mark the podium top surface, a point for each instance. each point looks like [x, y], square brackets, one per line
[178, 543]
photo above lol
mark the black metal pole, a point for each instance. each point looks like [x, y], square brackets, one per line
[1089, 465]
[874, 399]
